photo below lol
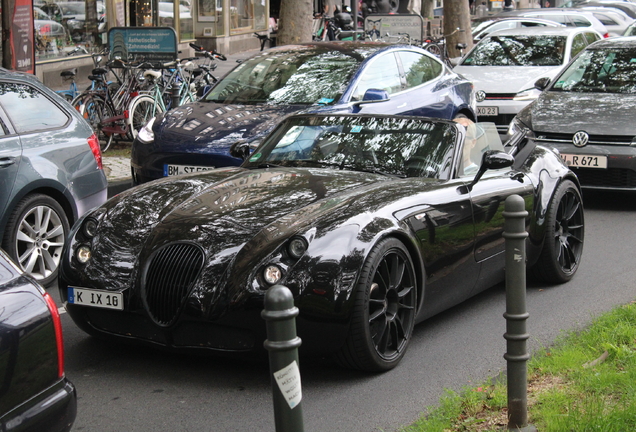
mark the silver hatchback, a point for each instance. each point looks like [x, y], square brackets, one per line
[50, 173]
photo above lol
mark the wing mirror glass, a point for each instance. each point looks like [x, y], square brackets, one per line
[373, 96]
[240, 149]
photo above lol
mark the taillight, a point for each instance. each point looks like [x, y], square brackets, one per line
[57, 324]
[606, 35]
[93, 143]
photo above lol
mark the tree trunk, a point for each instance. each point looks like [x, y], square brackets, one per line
[295, 23]
[457, 15]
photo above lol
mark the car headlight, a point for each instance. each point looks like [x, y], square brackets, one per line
[297, 247]
[515, 127]
[89, 228]
[146, 135]
[83, 254]
[527, 95]
[272, 274]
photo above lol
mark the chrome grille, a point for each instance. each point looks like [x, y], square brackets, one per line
[594, 139]
[169, 278]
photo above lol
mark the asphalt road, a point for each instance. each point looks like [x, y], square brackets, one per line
[123, 388]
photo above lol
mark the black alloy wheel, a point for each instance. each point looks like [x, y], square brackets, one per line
[564, 236]
[383, 316]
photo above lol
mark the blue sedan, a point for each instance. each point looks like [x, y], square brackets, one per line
[331, 77]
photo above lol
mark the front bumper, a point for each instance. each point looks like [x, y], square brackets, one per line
[620, 173]
[507, 110]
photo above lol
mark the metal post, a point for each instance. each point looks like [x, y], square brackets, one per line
[282, 344]
[175, 91]
[516, 315]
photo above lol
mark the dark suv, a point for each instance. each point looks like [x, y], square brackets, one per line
[50, 173]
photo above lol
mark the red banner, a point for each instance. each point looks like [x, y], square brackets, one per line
[22, 55]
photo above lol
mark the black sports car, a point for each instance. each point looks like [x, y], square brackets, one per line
[373, 222]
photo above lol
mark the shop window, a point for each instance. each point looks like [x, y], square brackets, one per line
[61, 27]
[247, 15]
[210, 12]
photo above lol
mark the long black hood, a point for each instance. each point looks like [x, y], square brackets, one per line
[594, 113]
[216, 126]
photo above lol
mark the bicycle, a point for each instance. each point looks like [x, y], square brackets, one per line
[437, 46]
[146, 106]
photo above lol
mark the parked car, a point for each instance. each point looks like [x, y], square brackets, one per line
[35, 395]
[614, 20]
[50, 173]
[570, 18]
[373, 222]
[587, 114]
[627, 7]
[350, 77]
[482, 27]
[505, 65]
[73, 15]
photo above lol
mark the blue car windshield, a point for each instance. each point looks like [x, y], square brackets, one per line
[518, 50]
[394, 146]
[600, 71]
[303, 76]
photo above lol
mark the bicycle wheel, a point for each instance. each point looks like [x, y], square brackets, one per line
[95, 109]
[142, 109]
[433, 49]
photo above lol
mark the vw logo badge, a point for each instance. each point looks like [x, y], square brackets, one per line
[580, 138]
[480, 95]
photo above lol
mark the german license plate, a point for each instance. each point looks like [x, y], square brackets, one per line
[174, 170]
[584, 161]
[487, 111]
[95, 298]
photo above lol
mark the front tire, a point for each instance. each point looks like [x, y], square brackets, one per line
[564, 236]
[383, 315]
[35, 235]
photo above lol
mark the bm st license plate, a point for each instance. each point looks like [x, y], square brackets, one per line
[95, 298]
[174, 170]
[485, 111]
[584, 161]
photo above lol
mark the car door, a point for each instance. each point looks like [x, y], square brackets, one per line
[382, 73]
[10, 156]
[428, 95]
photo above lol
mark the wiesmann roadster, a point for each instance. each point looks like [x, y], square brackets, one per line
[373, 222]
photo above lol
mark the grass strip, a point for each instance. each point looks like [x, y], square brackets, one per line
[585, 382]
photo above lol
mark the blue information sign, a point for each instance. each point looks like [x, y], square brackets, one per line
[147, 44]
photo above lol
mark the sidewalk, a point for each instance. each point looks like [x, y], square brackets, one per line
[117, 169]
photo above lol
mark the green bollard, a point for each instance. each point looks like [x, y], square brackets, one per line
[282, 344]
[516, 314]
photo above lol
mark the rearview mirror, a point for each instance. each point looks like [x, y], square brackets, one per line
[542, 83]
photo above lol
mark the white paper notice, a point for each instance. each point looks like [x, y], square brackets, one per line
[288, 380]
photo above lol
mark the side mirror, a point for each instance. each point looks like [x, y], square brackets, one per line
[373, 96]
[240, 149]
[461, 46]
[542, 83]
[491, 160]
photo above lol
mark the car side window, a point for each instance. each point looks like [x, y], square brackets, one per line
[28, 109]
[382, 73]
[605, 19]
[580, 21]
[418, 68]
[591, 37]
[578, 44]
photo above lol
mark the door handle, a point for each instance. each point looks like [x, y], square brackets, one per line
[6, 161]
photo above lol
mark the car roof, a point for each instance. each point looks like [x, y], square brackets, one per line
[14, 75]
[615, 42]
[537, 31]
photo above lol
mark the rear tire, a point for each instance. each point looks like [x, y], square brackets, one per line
[564, 236]
[383, 315]
[35, 235]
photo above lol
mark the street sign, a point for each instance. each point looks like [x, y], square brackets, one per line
[145, 44]
[391, 28]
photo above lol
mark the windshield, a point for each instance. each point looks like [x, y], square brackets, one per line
[303, 76]
[604, 71]
[392, 146]
[544, 50]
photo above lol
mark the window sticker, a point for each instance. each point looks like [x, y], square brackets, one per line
[256, 157]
